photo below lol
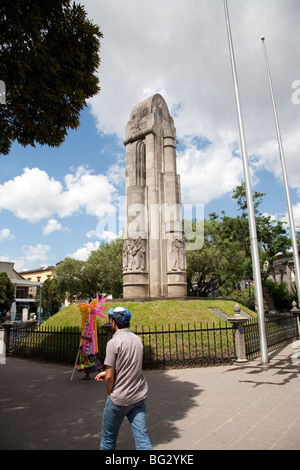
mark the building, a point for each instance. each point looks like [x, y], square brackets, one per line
[38, 275]
[27, 293]
[284, 270]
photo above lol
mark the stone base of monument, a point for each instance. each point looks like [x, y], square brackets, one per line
[135, 284]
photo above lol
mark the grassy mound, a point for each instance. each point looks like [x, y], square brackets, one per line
[157, 312]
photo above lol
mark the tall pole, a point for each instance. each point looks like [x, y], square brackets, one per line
[250, 205]
[285, 180]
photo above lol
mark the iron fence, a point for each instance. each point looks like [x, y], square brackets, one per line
[48, 344]
[191, 346]
[279, 331]
[164, 347]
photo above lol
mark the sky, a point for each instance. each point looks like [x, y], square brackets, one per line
[58, 202]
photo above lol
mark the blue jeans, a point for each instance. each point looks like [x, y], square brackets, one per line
[112, 419]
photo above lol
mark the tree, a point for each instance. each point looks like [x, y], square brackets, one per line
[7, 293]
[69, 274]
[218, 265]
[49, 53]
[280, 294]
[52, 298]
[101, 273]
[225, 258]
[103, 269]
[272, 239]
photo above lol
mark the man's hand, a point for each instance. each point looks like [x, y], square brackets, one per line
[109, 376]
[101, 376]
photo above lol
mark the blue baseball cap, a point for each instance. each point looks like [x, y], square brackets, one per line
[110, 312]
[121, 315]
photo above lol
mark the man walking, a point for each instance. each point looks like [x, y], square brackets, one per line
[125, 383]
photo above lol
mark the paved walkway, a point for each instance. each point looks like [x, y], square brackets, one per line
[228, 407]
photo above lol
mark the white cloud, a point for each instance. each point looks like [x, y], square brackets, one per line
[86, 191]
[36, 254]
[296, 213]
[182, 52]
[6, 235]
[200, 183]
[34, 196]
[52, 226]
[116, 174]
[33, 257]
[91, 234]
[108, 236]
[83, 253]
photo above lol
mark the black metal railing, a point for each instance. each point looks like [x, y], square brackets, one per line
[171, 347]
[163, 347]
[188, 346]
[279, 331]
[48, 344]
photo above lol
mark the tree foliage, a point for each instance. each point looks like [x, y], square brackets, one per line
[52, 298]
[69, 274]
[49, 53]
[225, 258]
[219, 265]
[103, 269]
[7, 293]
[101, 273]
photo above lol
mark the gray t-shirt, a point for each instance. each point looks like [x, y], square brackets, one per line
[124, 352]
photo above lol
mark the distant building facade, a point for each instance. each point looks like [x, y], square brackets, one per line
[284, 271]
[38, 275]
[26, 293]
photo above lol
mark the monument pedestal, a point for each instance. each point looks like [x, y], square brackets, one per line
[135, 285]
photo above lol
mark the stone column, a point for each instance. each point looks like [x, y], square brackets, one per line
[238, 323]
[154, 257]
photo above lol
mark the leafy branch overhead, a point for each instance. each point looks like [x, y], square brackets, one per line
[49, 53]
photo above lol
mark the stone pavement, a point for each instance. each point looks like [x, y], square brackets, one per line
[248, 407]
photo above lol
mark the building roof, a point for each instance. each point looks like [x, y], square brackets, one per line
[8, 268]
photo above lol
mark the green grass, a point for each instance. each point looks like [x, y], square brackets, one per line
[157, 312]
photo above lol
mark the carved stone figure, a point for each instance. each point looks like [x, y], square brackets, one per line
[134, 254]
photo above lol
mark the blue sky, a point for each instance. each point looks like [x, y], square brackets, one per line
[53, 199]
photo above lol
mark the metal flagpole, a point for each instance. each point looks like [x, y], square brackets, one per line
[250, 205]
[285, 180]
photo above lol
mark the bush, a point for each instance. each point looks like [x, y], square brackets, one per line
[281, 295]
[243, 298]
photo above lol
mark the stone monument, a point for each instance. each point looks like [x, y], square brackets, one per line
[154, 254]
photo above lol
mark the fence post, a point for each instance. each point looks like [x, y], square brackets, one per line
[238, 324]
[109, 333]
[7, 325]
[295, 312]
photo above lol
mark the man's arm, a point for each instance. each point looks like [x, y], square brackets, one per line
[109, 376]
